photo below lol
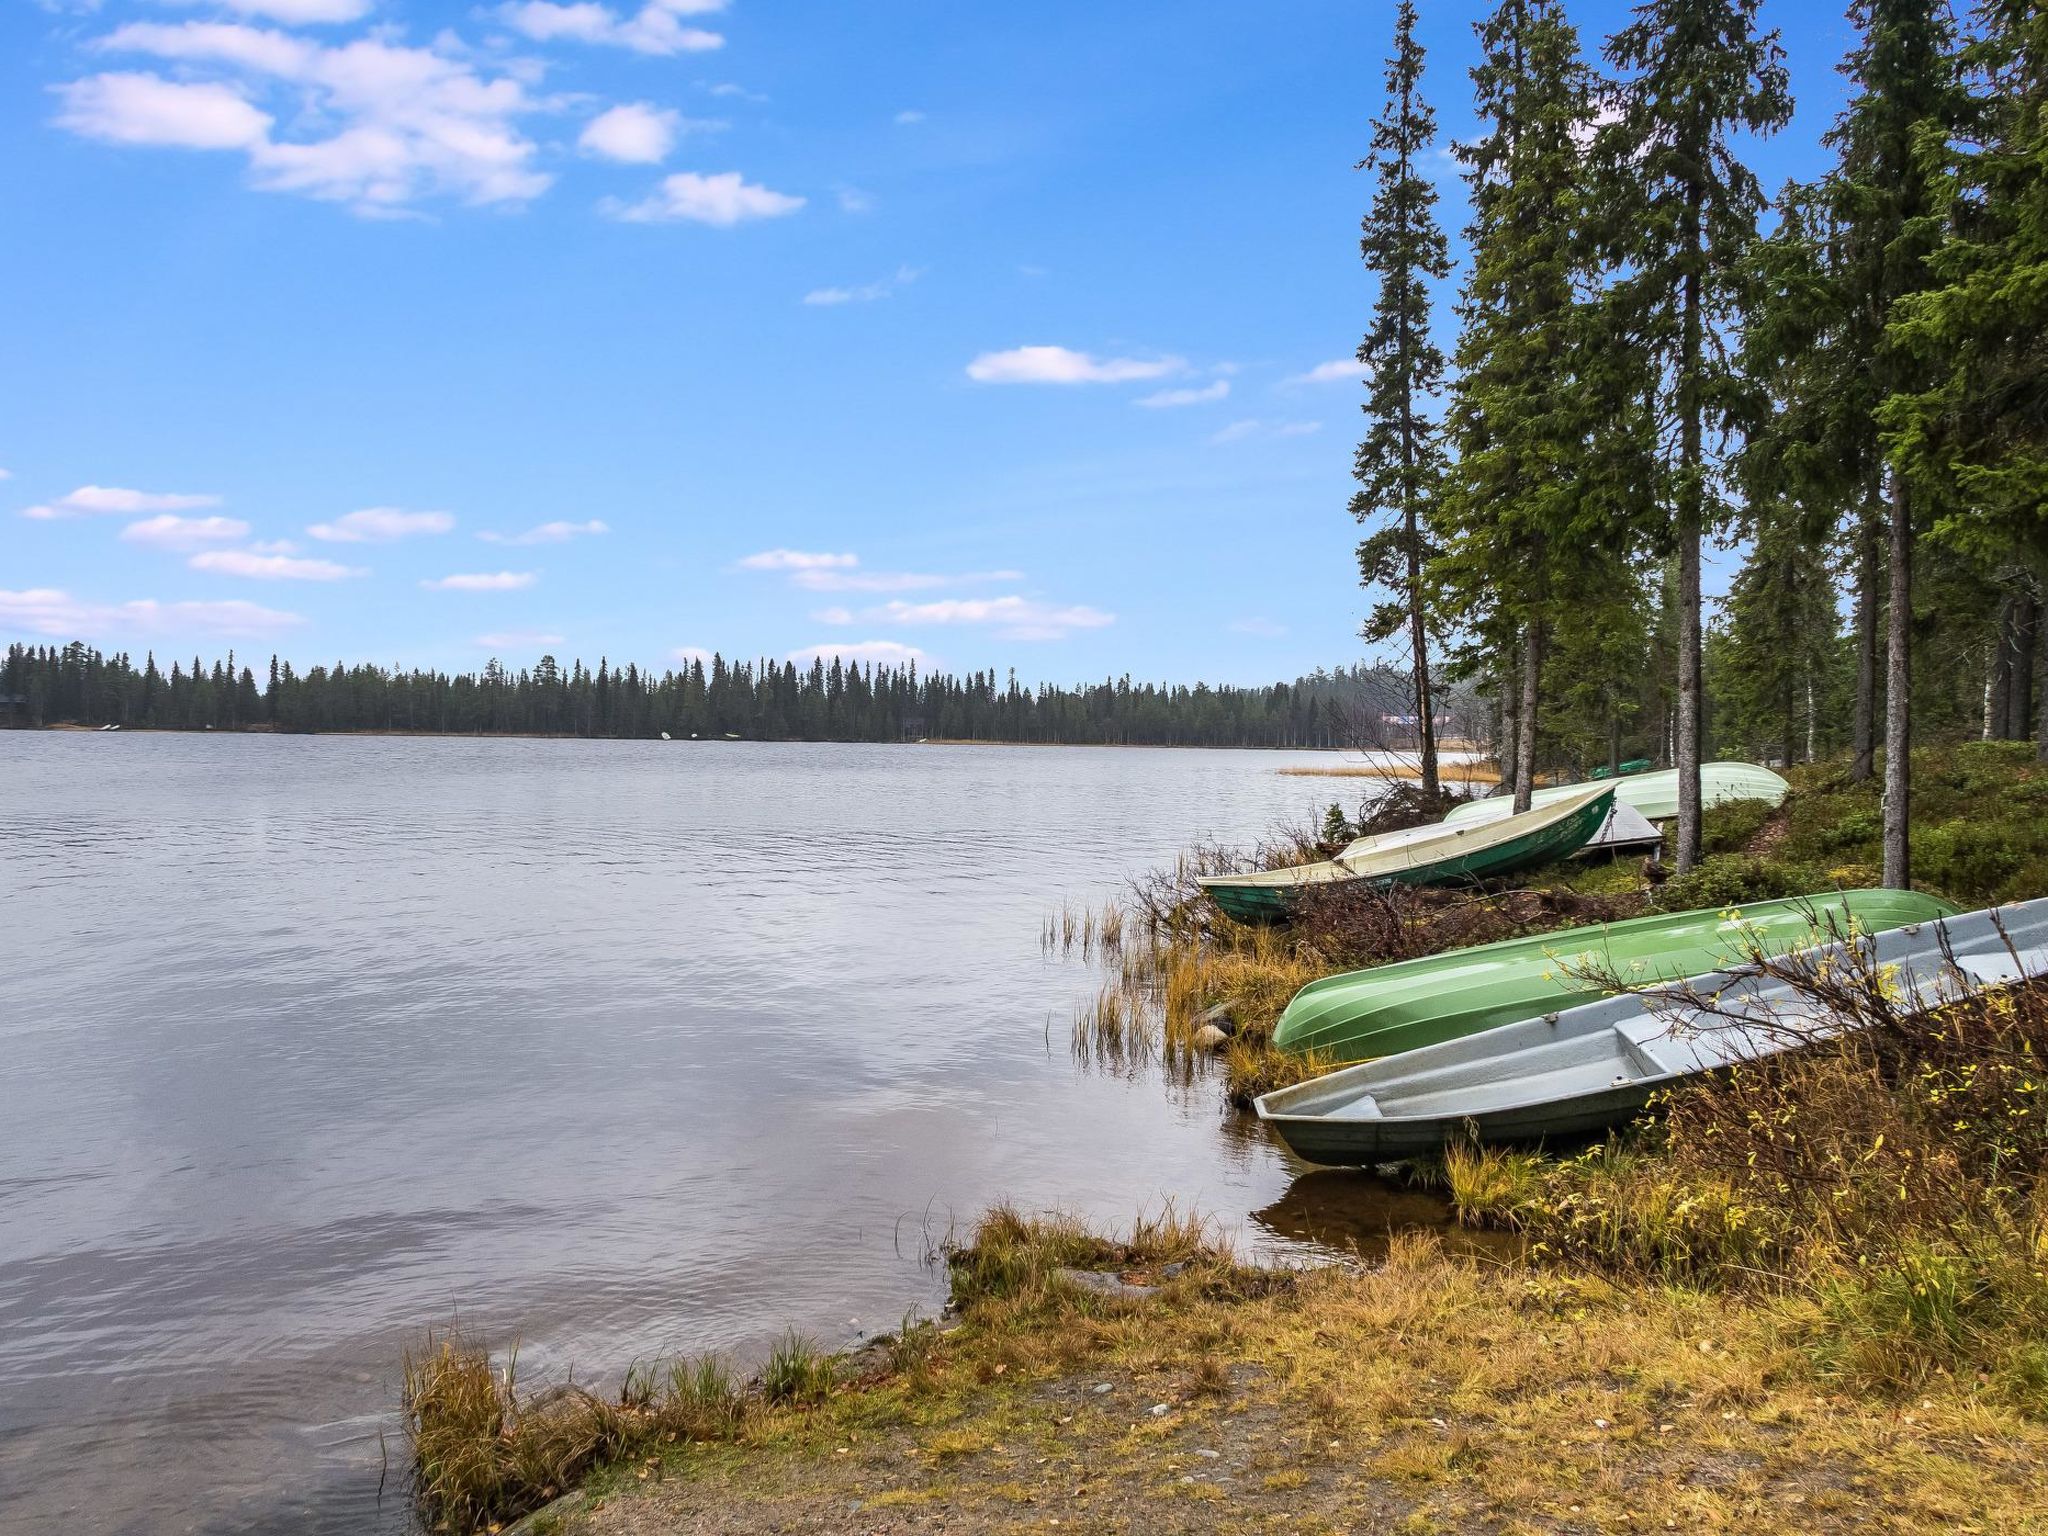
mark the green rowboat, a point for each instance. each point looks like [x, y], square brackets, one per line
[1439, 854]
[1411, 1003]
[1654, 794]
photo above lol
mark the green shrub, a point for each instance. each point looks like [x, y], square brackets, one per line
[1731, 826]
[1730, 880]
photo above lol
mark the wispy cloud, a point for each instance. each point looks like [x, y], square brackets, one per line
[890, 653]
[1166, 398]
[689, 653]
[721, 201]
[89, 500]
[381, 525]
[1061, 365]
[260, 567]
[865, 293]
[169, 531]
[1246, 431]
[548, 533]
[656, 28]
[1341, 370]
[296, 13]
[796, 560]
[1014, 618]
[483, 581]
[54, 612]
[909, 117]
[854, 200]
[517, 640]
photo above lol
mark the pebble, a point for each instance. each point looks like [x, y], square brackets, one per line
[1100, 1387]
[1160, 1410]
[1209, 1455]
[1210, 1038]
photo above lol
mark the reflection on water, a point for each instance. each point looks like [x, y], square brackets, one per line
[1353, 1212]
[614, 1047]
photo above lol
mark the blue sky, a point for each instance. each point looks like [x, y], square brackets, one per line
[420, 333]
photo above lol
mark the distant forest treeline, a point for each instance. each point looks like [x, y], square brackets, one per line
[839, 701]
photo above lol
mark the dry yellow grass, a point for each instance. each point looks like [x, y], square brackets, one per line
[1428, 1394]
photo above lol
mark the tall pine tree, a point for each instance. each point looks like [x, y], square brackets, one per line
[1400, 463]
[1696, 73]
[1513, 517]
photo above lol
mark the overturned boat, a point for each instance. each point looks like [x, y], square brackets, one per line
[1654, 794]
[1586, 1070]
[1438, 854]
[1411, 1003]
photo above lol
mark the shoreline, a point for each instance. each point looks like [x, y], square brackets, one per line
[1665, 1346]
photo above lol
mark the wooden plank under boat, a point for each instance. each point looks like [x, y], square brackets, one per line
[1357, 1015]
[1586, 1070]
[1654, 794]
[1438, 854]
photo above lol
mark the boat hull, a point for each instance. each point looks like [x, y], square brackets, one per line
[1583, 1070]
[1358, 1015]
[1654, 794]
[1272, 896]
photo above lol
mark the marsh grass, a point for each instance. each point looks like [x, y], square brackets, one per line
[798, 1372]
[485, 1452]
[1015, 1257]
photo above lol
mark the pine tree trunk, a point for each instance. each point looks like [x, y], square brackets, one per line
[2041, 700]
[1898, 679]
[1418, 640]
[2026, 624]
[1998, 718]
[1686, 748]
[1525, 756]
[1863, 742]
[1510, 724]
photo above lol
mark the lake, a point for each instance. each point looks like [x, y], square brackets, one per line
[612, 1048]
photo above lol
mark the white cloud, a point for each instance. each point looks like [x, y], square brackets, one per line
[1245, 431]
[737, 92]
[796, 560]
[399, 123]
[888, 653]
[892, 581]
[1342, 370]
[1017, 618]
[1202, 396]
[169, 531]
[909, 117]
[722, 200]
[296, 13]
[89, 499]
[260, 567]
[1263, 627]
[866, 293]
[656, 28]
[6, 474]
[853, 200]
[273, 547]
[1059, 365]
[637, 133]
[380, 525]
[49, 611]
[689, 653]
[123, 108]
[483, 581]
[517, 640]
[833, 616]
[547, 533]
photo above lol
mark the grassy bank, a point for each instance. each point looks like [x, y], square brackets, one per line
[1812, 1297]
[1429, 1393]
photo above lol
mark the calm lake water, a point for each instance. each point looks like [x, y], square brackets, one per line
[616, 1048]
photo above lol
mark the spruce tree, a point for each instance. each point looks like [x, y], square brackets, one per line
[1400, 462]
[1975, 435]
[1513, 516]
[1696, 72]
